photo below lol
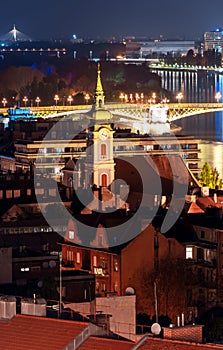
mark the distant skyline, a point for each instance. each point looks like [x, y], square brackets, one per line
[61, 19]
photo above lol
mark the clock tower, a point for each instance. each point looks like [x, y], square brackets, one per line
[99, 165]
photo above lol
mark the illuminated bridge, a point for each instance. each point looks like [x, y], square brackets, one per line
[134, 112]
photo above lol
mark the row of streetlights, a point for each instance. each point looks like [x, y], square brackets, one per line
[180, 96]
[123, 97]
[131, 97]
[140, 98]
[38, 100]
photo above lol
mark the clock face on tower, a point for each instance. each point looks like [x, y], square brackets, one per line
[103, 134]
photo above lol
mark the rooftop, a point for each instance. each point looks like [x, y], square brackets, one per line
[39, 333]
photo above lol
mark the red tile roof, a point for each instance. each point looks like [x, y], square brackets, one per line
[194, 209]
[38, 333]
[206, 202]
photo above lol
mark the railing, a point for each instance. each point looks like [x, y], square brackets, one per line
[91, 329]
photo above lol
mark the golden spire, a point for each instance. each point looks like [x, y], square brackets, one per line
[99, 93]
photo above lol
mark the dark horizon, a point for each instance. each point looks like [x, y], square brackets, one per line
[95, 20]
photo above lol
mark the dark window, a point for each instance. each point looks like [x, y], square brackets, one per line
[202, 234]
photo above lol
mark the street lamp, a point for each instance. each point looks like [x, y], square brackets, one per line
[137, 97]
[4, 102]
[87, 98]
[142, 97]
[121, 96]
[165, 100]
[25, 100]
[37, 100]
[179, 96]
[218, 96]
[56, 99]
[154, 97]
[69, 99]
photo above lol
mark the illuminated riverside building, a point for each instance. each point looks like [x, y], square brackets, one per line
[213, 40]
[175, 47]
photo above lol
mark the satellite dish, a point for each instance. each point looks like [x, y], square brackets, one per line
[155, 328]
[40, 284]
[52, 264]
[129, 291]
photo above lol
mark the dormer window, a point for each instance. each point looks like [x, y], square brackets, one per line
[71, 234]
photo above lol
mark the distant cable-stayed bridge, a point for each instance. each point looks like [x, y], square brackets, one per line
[14, 35]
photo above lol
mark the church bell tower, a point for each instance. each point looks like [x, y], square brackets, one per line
[100, 165]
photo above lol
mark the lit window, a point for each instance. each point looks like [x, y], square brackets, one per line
[78, 257]
[94, 260]
[116, 265]
[24, 269]
[189, 252]
[70, 255]
[71, 234]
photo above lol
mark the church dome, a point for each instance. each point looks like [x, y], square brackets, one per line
[101, 114]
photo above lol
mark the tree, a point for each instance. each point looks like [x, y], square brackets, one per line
[206, 175]
[171, 287]
[216, 181]
[210, 177]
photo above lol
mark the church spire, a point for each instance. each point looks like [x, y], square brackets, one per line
[99, 92]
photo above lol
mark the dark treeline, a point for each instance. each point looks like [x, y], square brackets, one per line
[66, 76]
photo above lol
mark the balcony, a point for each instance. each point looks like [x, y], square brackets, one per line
[100, 271]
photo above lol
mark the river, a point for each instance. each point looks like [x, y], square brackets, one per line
[208, 127]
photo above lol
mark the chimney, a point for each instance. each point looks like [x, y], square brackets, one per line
[34, 307]
[182, 319]
[7, 307]
[215, 198]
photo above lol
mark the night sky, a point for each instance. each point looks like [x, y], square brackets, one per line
[46, 19]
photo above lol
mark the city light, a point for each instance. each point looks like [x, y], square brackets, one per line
[121, 96]
[56, 99]
[25, 100]
[37, 100]
[137, 97]
[165, 100]
[87, 98]
[69, 99]
[218, 96]
[179, 97]
[4, 102]
[153, 97]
